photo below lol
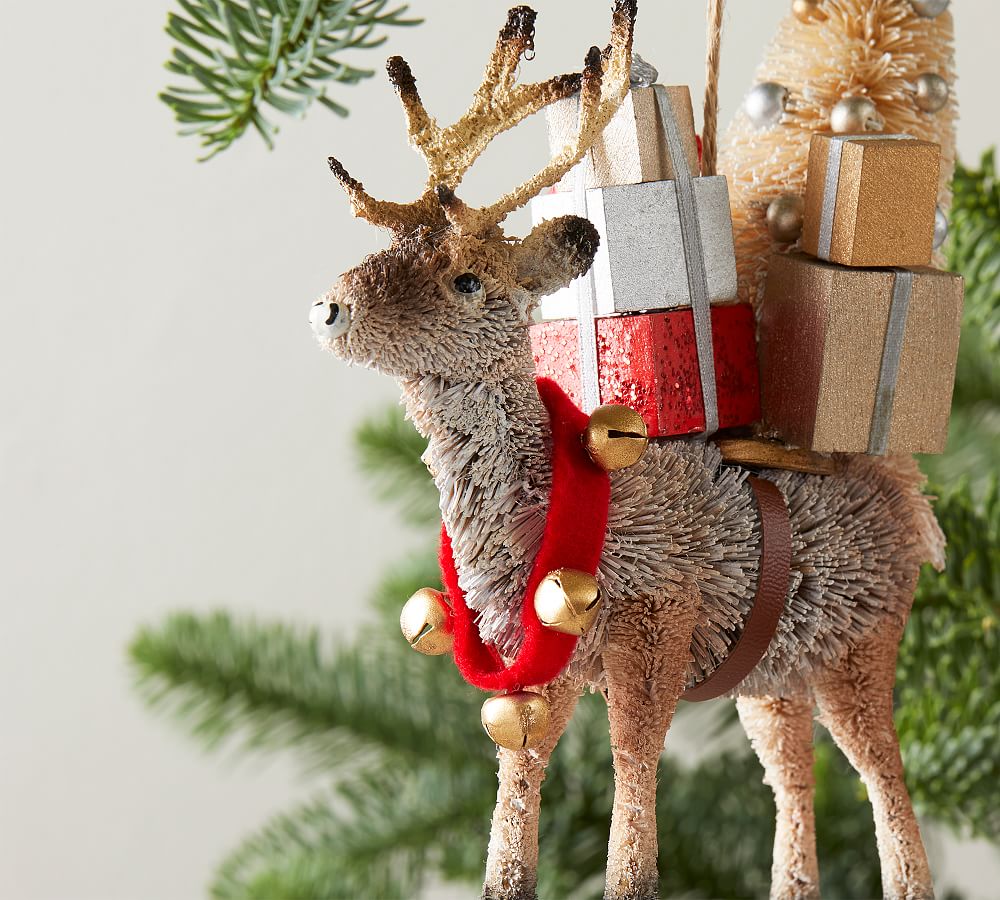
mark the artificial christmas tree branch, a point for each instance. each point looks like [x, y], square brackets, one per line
[973, 246]
[276, 687]
[239, 56]
[948, 694]
[369, 838]
[389, 451]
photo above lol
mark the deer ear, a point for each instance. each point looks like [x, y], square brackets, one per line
[556, 252]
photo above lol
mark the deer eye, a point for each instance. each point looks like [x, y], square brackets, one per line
[468, 284]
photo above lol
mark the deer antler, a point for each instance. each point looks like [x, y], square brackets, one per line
[498, 105]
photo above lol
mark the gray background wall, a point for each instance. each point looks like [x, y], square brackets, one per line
[170, 434]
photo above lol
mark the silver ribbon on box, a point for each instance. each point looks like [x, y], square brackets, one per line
[586, 314]
[694, 260]
[831, 183]
[888, 376]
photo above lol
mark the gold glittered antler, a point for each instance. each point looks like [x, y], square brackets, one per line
[604, 84]
[498, 105]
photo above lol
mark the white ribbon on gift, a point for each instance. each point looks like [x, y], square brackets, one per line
[888, 376]
[694, 260]
[831, 183]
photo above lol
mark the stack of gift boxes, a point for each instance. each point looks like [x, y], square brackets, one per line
[655, 324]
[858, 335]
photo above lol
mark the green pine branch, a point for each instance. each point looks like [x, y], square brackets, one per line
[402, 580]
[388, 450]
[948, 714]
[375, 836]
[239, 57]
[973, 249]
[271, 687]
[973, 246]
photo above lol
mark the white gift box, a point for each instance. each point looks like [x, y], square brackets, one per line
[633, 147]
[640, 263]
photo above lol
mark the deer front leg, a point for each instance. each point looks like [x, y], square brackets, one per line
[645, 663]
[780, 730]
[512, 861]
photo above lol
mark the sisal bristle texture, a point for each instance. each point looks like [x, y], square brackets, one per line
[869, 48]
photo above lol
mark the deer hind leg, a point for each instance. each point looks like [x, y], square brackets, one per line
[512, 860]
[855, 702]
[645, 664]
[780, 730]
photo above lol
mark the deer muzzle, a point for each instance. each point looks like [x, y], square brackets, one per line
[329, 318]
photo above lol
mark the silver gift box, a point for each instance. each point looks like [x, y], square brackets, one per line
[640, 263]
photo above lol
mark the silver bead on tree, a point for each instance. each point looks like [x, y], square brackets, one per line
[766, 103]
[930, 9]
[855, 115]
[940, 227]
[932, 92]
[784, 218]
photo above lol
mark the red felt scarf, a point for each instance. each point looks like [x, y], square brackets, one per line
[573, 539]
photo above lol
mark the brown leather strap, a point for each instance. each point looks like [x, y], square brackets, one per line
[772, 588]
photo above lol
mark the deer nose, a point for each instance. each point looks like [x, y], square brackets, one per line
[329, 319]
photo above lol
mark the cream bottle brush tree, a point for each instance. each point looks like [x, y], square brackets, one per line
[846, 66]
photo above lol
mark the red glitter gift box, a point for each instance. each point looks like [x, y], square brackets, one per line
[649, 361]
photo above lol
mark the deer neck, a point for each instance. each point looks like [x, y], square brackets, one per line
[489, 454]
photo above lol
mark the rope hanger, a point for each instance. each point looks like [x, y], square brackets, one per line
[710, 114]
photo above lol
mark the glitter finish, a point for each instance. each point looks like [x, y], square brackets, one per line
[885, 200]
[649, 362]
[640, 262]
[633, 148]
[822, 334]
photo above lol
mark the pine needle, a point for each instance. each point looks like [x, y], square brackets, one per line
[388, 451]
[238, 57]
[272, 687]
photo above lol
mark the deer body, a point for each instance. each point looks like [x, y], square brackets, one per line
[445, 310]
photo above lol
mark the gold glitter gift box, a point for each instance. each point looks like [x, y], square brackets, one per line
[633, 148]
[858, 360]
[870, 199]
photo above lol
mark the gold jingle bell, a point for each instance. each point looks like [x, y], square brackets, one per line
[615, 437]
[568, 600]
[516, 721]
[424, 623]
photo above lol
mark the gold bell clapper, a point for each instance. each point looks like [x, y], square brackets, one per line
[516, 721]
[424, 623]
[568, 600]
[615, 437]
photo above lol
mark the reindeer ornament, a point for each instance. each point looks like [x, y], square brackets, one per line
[680, 544]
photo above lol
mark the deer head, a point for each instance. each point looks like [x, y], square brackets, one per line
[451, 296]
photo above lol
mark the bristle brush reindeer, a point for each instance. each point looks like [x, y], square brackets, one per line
[684, 544]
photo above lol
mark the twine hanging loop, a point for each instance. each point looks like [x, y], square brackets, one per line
[710, 115]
